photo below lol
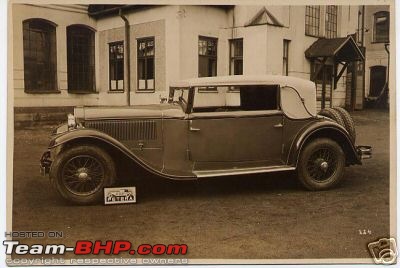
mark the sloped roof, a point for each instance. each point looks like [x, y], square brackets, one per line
[342, 48]
[263, 16]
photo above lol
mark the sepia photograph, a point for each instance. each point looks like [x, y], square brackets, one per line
[186, 133]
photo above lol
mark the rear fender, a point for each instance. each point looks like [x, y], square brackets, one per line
[324, 129]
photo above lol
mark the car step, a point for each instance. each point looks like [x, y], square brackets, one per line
[240, 171]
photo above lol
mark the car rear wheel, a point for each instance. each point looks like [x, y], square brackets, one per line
[321, 164]
[348, 122]
[80, 173]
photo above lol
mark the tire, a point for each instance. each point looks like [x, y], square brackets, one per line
[348, 122]
[332, 114]
[312, 171]
[80, 173]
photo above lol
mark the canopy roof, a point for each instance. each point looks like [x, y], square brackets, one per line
[241, 80]
[343, 48]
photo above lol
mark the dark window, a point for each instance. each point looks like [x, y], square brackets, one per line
[80, 59]
[236, 56]
[331, 21]
[116, 66]
[312, 20]
[145, 52]
[40, 57]
[285, 59]
[253, 98]
[244, 98]
[328, 69]
[381, 27]
[377, 80]
[207, 56]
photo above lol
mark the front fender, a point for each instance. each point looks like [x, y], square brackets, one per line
[326, 129]
[87, 135]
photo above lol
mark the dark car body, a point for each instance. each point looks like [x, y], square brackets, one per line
[176, 140]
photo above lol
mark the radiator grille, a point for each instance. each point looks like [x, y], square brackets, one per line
[126, 129]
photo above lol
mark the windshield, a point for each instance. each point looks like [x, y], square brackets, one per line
[180, 96]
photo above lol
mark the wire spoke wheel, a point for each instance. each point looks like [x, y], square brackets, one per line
[322, 164]
[83, 175]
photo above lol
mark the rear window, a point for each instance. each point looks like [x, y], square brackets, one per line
[243, 98]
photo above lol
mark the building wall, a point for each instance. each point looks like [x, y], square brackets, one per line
[375, 52]
[176, 30]
[62, 16]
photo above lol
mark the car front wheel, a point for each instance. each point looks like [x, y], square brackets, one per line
[321, 164]
[80, 173]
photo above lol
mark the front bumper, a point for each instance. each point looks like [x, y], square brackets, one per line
[45, 163]
[364, 151]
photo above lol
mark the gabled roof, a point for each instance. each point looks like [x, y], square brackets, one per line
[343, 48]
[263, 16]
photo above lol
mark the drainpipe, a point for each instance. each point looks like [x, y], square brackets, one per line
[388, 52]
[128, 58]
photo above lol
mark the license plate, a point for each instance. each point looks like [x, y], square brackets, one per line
[119, 195]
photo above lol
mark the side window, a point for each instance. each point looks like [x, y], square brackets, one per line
[116, 66]
[245, 98]
[80, 59]
[381, 27]
[145, 63]
[40, 57]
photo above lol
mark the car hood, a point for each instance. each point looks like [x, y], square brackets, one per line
[166, 110]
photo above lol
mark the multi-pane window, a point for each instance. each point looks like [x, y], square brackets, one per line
[285, 59]
[80, 59]
[40, 57]
[116, 66]
[207, 56]
[381, 27]
[327, 71]
[145, 69]
[331, 21]
[236, 56]
[312, 20]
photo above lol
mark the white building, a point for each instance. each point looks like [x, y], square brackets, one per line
[69, 55]
[376, 40]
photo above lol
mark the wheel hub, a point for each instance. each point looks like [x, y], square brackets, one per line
[322, 164]
[83, 174]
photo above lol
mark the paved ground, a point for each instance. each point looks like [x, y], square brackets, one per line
[262, 216]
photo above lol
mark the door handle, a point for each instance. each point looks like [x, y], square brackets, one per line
[193, 128]
[278, 125]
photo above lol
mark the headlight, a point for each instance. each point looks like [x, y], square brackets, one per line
[71, 121]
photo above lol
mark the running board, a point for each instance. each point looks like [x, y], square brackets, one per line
[240, 171]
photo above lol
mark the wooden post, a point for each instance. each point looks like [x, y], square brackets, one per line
[323, 86]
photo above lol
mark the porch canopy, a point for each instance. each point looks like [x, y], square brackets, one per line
[343, 50]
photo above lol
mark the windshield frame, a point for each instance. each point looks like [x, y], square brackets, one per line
[185, 104]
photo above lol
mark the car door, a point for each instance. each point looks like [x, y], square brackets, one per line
[236, 138]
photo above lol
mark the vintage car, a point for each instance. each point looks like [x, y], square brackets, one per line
[208, 127]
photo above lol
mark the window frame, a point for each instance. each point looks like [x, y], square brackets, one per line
[71, 60]
[384, 14]
[232, 57]
[30, 61]
[115, 61]
[285, 57]
[213, 57]
[244, 113]
[331, 26]
[146, 57]
[310, 19]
